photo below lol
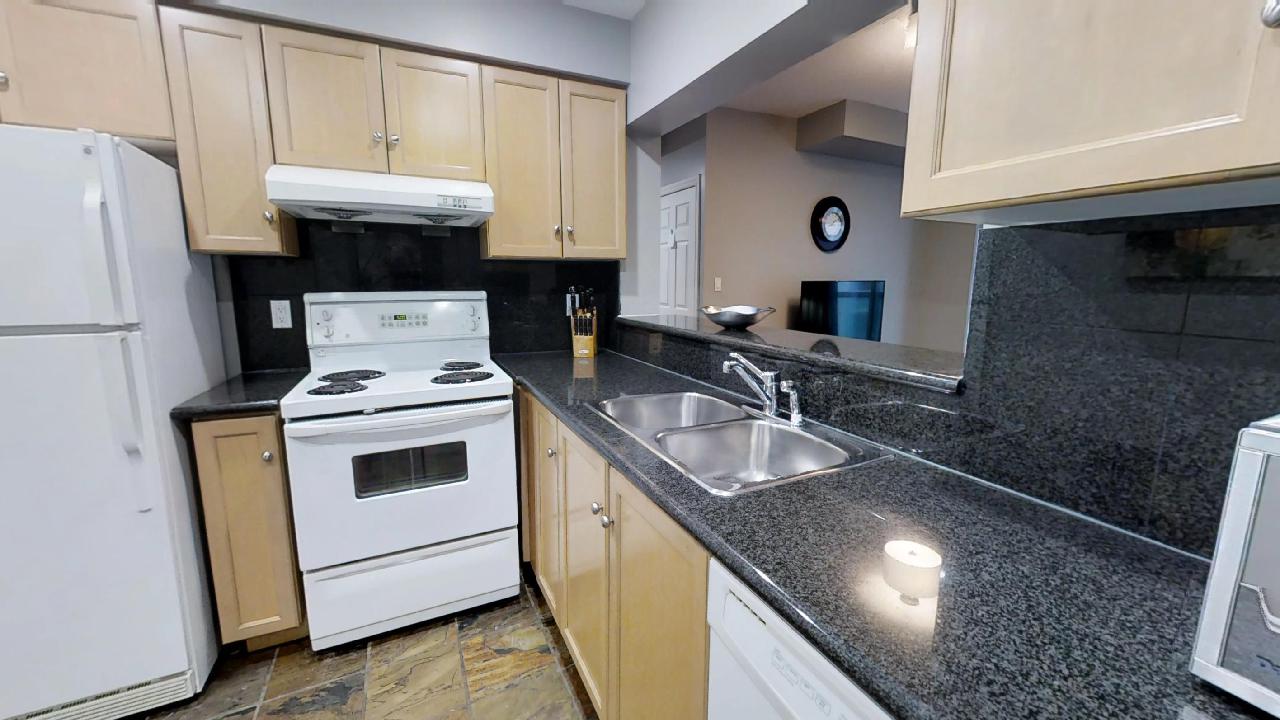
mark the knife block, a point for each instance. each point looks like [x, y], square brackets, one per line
[583, 329]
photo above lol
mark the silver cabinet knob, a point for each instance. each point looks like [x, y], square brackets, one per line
[268, 216]
[551, 452]
[4, 81]
[605, 521]
[377, 136]
[568, 229]
[267, 456]
[393, 140]
[555, 229]
[1271, 13]
[596, 508]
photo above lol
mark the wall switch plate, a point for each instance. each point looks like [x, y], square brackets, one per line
[281, 314]
[719, 286]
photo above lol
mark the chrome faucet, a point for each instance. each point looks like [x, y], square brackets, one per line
[765, 384]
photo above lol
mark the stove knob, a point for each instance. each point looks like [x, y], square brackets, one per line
[473, 311]
[475, 324]
[328, 332]
[326, 315]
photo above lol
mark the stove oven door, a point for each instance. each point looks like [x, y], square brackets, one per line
[368, 485]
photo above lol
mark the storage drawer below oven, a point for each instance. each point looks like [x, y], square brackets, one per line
[364, 598]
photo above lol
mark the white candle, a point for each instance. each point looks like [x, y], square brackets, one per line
[912, 569]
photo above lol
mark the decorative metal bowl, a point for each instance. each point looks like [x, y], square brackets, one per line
[736, 317]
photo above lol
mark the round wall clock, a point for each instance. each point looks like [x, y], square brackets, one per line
[829, 224]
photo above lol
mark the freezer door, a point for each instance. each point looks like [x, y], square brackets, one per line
[89, 594]
[60, 256]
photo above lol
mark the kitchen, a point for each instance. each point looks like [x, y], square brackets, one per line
[379, 336]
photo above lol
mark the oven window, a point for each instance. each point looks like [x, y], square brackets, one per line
[397, 471]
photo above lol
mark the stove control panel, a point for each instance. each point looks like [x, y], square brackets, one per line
[341, 319]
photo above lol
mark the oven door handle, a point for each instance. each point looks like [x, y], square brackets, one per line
[402, 421]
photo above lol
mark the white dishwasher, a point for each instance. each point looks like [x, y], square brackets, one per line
[761, 669]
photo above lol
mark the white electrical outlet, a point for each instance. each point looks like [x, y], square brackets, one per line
[719, 285]
[281, 314]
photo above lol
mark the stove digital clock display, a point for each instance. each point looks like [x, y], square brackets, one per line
[400, 317]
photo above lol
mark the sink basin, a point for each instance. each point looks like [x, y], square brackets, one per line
[648, 414]
[736, 456]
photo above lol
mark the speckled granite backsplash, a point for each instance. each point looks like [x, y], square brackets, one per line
[1110, 365]
[526, 298]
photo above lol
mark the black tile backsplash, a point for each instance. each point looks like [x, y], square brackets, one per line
[526, 298]
[1110, 365]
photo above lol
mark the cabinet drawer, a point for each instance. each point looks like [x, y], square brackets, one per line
[344, 600]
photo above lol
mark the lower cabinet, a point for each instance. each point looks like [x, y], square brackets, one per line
[246, 517]
[547, 498]
[586, 560]
[659, 628]
[631, 599]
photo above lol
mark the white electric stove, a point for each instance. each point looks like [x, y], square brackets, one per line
[401, 454]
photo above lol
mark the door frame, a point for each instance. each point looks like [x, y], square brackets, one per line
[695, 182]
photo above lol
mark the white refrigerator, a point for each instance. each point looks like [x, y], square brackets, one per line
[106, 322]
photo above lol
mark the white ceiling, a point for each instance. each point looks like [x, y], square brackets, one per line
[625, 9]
[873, 65]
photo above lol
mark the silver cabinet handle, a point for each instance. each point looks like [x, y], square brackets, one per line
[267, 456]
[268, 216]
[568, 229]
[551, 452]
[377, 136]
[596, 508]
[393, 140]
[605, 521]
[555, 229]
[1271, 13]
[4, 81]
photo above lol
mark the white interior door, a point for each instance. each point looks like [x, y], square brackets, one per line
[88, 595]
[56, 232]
[678, 262]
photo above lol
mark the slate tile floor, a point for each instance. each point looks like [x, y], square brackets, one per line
[502, 661]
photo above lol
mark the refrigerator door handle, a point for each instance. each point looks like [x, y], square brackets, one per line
[121, 387]
[93, 208]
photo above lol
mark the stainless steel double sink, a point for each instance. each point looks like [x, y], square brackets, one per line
[725, 449]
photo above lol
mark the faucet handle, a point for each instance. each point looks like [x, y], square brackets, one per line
[789, 387]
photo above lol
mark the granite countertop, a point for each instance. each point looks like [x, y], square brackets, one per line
[1040, 613]
[933, 369]
[245, 393]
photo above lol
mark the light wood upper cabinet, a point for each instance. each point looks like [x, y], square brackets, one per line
[1014, 103]
[548, 501]
[325, 96]
[224, 134]
[246, 513]
[593, 183]
[659, 622]
[522, 163]
[435, 127]
[585, 614]
[84, 64]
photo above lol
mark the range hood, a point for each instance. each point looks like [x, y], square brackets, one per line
[324, 194]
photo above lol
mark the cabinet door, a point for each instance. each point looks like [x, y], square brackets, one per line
[593, 170]
[659, 639]
[325, 97]
[246, 518]
[548, 499]
[522, 163]
[1021, 102]
[585, 614]
[434, 124]
[84, 64]
[223, 132]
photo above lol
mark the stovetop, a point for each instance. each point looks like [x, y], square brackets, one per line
[377, 351]
[395, 387]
